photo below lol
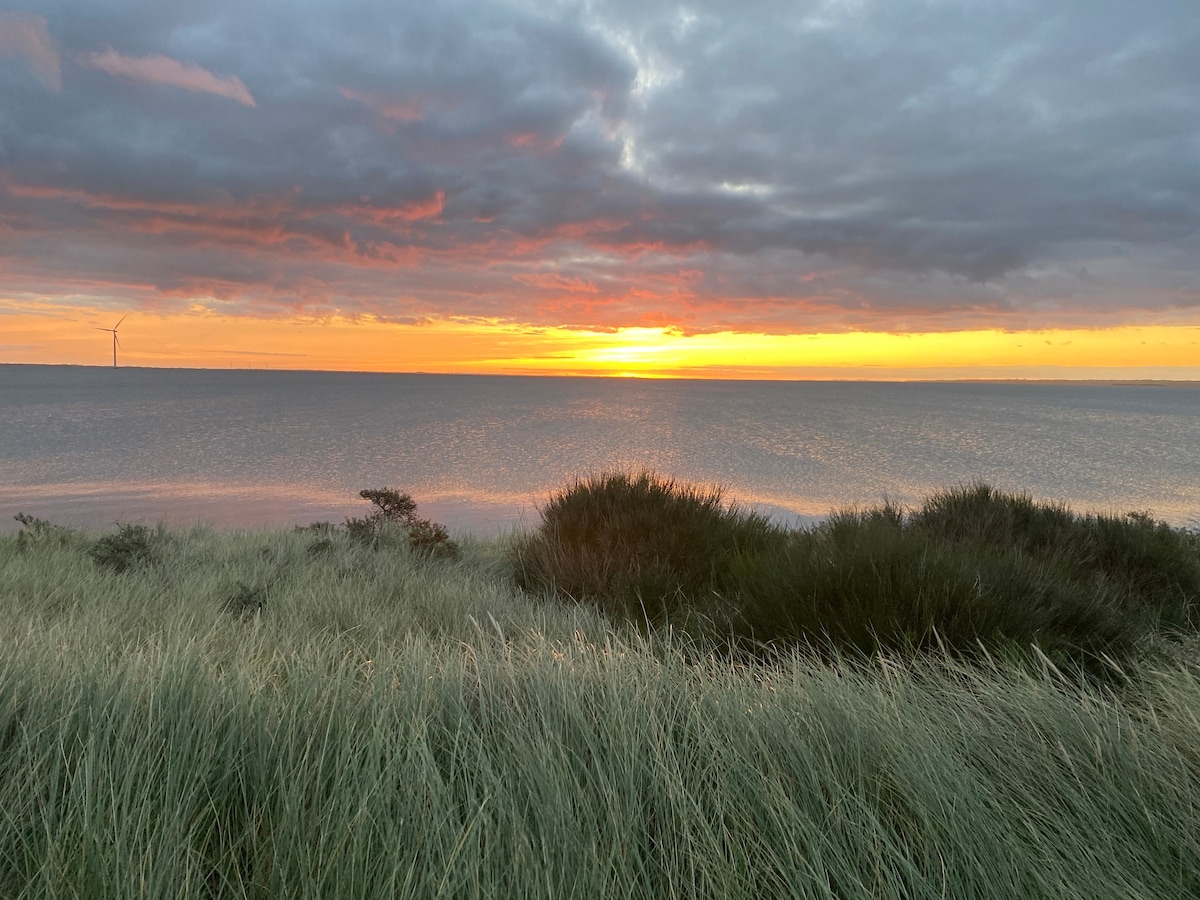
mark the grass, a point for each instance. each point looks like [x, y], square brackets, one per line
[305, 714]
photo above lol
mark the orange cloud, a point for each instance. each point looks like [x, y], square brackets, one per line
[322, 254]
[26, 35]
[391, 215]
[262, 220]
[257, 222]
[555, 282]
[161, 69]
[221, 207]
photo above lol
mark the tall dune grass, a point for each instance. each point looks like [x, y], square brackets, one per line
[383, 723]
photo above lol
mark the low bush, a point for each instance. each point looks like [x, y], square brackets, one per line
[1147, 566]
[639, 545]
[37, 532]
[971, 569]
[245, 601]
[979, 514]
[131, 546]
[871, 582]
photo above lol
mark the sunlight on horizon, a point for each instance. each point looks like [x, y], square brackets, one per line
[55, 335]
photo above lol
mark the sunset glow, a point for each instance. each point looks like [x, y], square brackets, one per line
[210, 341]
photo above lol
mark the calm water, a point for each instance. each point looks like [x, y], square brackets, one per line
[94, 446]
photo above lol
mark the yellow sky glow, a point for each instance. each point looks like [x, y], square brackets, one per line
[202, 339]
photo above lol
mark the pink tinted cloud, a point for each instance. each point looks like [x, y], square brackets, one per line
[263, 222]
[26, 35]
[218, 208]
[555, 282]
[267, 245]
[161, 69]
[529, 140]
[390, 216]
[391, 109]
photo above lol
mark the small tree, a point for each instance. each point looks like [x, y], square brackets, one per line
[396, 509]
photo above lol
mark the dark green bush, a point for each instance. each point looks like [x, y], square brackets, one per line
[1144, 564]
[131, 546]
[1159, 565]
[979, 514]
[869, 581]
[640, 545]
[432, 538]
[971, 569]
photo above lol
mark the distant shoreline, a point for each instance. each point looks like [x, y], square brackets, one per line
[1095, 382]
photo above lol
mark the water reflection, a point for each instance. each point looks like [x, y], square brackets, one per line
[479, 453]
[102, 504]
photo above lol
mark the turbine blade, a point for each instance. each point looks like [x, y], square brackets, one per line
[98, 328]
[115, 341]
[123, 318]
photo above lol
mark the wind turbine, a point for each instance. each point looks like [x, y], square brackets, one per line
[116, 343]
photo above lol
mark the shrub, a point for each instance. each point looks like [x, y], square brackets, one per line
[640, 545]
[37, 532]
[1159, 565]
[316, 528]
[397, 511]
[871, 582]
[431, 537]
[971, 569]
[979, 514]
[319, 547]
[245, 601]
[131, 546]
[1145, 565]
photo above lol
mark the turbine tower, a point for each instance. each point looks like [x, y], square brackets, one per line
[116, 343]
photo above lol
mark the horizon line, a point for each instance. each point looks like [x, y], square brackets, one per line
[643, 376]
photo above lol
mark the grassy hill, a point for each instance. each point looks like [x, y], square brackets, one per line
[358, 712]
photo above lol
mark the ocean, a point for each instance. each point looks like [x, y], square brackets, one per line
[97, 446]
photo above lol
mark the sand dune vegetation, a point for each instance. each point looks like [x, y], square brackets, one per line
[650, 694]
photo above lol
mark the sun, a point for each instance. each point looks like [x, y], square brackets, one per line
[635, 352]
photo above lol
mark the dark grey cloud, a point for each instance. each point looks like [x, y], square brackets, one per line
[762, 166]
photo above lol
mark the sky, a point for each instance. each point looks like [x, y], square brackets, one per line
[765, 188]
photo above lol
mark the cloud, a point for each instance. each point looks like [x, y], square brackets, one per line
[778, 167]
[160, 69]
[552, 281]
[391, 216]
[394, 110]
[28, 36]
